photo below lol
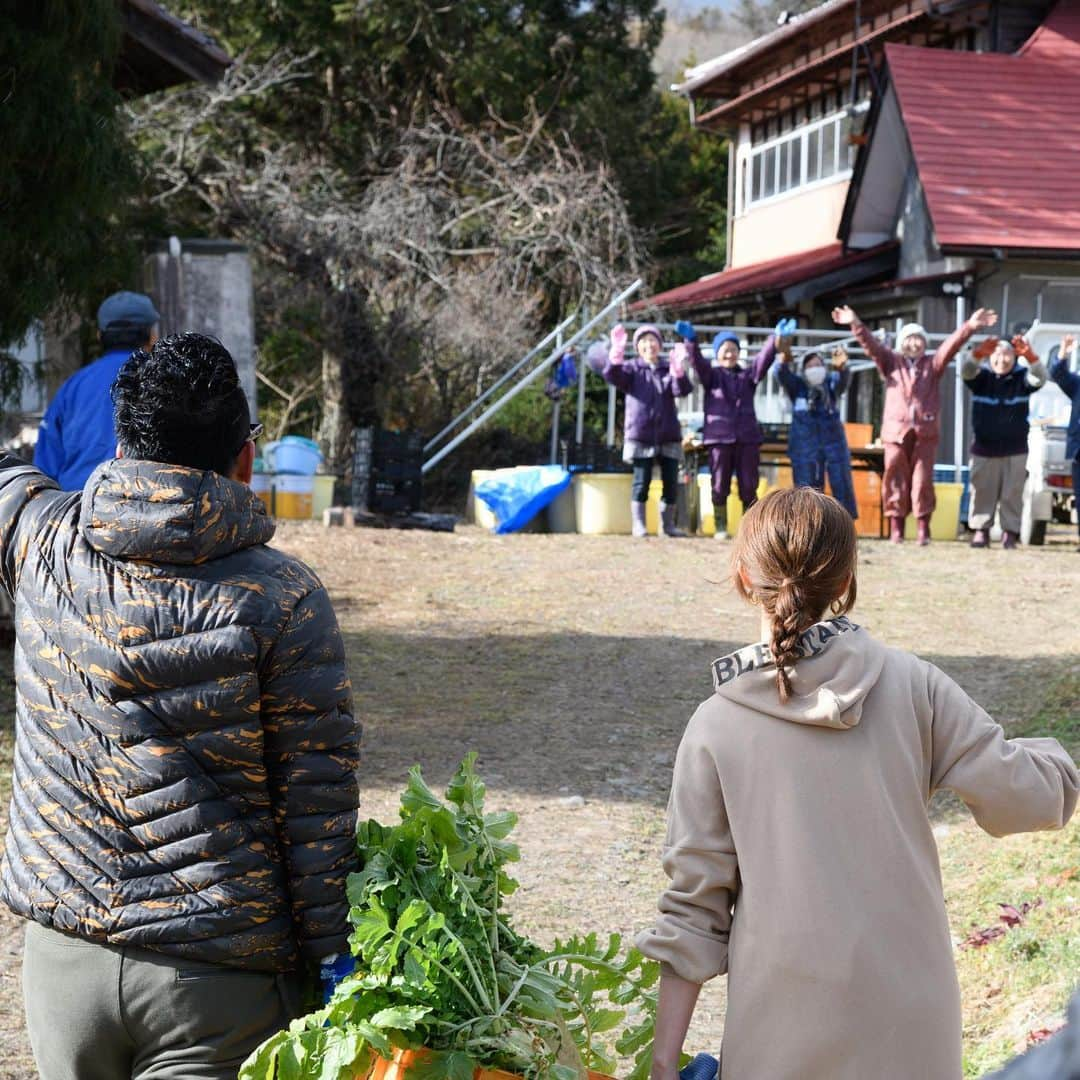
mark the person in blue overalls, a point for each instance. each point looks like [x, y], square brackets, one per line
[817, 444]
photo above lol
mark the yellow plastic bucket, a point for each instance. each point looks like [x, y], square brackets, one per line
[945, 520]
[262, 485]
[602, 502]
[734, 505]
[322, 494]
[292, 495]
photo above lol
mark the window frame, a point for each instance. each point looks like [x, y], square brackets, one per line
[769, 150]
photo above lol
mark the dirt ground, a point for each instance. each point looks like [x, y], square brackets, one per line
[571, 664]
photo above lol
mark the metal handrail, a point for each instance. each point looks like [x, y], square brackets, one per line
[538, 347]
[536, 372]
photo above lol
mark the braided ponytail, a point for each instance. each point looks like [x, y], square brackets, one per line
[795, 555]
[785, 613]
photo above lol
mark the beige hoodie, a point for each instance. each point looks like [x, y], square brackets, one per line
[802, 861]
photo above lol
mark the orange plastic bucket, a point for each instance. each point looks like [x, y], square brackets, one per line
[397, 1067]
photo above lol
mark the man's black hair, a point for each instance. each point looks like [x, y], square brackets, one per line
[181, 403]
[125, 337]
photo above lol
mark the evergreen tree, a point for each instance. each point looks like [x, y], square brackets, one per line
[66, 165]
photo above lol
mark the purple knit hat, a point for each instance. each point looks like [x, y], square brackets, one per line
[648, 328]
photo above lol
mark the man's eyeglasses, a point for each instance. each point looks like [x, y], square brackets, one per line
[255, 433]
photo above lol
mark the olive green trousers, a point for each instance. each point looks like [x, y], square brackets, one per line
[102, 1012]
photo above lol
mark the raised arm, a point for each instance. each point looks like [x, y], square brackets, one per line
[312, 751]
[614, 370]
[20, 517]
[1010, 785]
[763, 360]
[884, 358]
[958, 338]
[1059, 368]
[1036, 369]
[788, 380]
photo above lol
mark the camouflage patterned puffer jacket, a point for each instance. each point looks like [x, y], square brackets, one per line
[185, 755]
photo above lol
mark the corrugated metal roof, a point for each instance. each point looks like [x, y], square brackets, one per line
[994, 138]
[796, 24]
[771, 276]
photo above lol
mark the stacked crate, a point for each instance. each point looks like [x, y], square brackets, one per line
[396, 484]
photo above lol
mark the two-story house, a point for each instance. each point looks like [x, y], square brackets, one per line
[897, 156]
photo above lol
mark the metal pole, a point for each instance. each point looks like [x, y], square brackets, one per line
[556, 409]
[539, 347]
[610, 415]
[958, 404]
[579, 431]
[532, 375]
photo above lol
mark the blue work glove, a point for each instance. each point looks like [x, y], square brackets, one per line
[785, 328]
[703, 1067]
[686, 330]
[332, 969]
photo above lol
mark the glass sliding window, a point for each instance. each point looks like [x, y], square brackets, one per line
[828, 149]
[813, 155]
[769, 165]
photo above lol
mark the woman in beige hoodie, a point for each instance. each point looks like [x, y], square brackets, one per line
[799, 847]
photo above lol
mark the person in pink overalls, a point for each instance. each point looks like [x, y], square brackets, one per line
[911, 424]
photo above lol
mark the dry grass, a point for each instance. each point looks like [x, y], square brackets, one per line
[571, 663]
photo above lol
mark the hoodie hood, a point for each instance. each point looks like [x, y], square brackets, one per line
[838, 665]
[153, 512]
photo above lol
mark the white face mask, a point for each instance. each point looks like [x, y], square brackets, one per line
[815, 375]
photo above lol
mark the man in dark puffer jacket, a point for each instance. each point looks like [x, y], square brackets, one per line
[184, 793]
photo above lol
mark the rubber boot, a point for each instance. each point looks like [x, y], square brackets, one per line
[667, 522]
[1009, 539]
[981, 539]
[637, 517]
[896, 530]
[924, 531]
[720, 517]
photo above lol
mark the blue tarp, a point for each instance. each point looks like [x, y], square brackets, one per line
[516, 496]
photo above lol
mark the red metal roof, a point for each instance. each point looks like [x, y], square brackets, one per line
[994, 138]
[770, 276]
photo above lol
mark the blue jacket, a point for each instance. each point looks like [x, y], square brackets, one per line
[77, 432]
[999, 411]
[1070, 383]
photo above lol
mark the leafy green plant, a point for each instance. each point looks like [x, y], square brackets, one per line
[440, 967]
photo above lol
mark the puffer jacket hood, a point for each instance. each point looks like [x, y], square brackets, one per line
[153, 512]
[838, 665]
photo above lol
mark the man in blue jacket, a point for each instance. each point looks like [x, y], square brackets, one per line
[76, 433]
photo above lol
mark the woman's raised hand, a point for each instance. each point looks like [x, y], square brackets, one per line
[1067, 343]
[618, 343]
[839, 357]
[844, 315]
[981, 318]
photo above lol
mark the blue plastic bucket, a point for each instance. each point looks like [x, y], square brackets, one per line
[293, 454]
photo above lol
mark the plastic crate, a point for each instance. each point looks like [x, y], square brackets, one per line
[398, 444]
[394, 472]
[395, 498]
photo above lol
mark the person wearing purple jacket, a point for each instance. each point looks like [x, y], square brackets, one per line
[732, 433]
[651, 430]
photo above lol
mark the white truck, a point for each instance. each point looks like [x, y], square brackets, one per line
[1048, 494]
